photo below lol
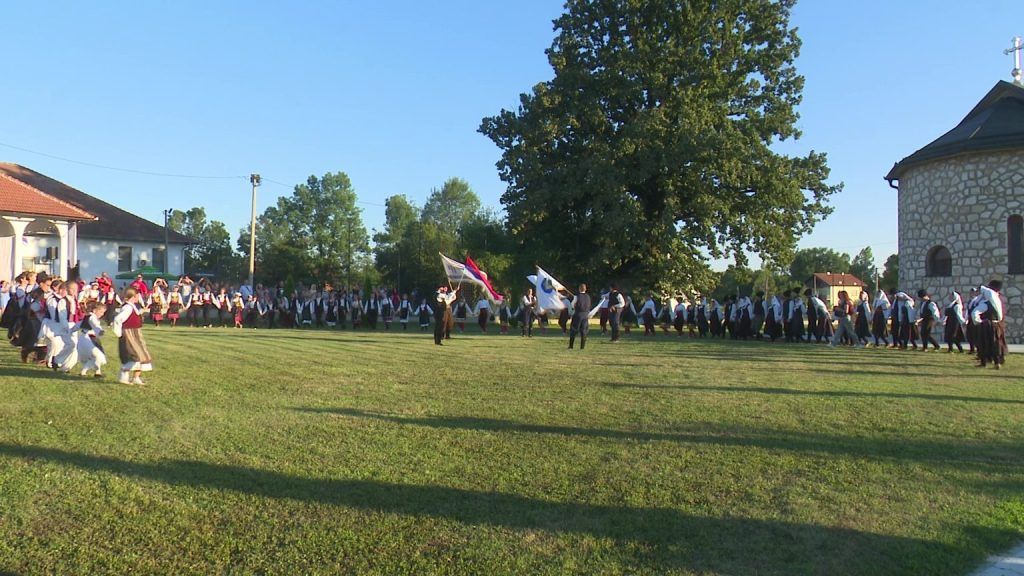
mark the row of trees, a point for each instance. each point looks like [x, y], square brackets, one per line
[650, 151]
[317, 234]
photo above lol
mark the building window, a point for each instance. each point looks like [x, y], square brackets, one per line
[939, 263]
[159, 257]
[124, 258]
[1015, 244]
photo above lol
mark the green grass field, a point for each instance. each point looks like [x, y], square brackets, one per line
[313, 452]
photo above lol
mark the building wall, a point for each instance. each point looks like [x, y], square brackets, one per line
[98, 256]
[963, 203]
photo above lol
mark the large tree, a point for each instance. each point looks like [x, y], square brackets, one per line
[810, 260]
[652, 145]
[212, 252]
[863, 266]
[399, 215]
[316, 234]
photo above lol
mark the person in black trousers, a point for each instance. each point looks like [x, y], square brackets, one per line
[443, 312]
[615, 305]
[580, 317]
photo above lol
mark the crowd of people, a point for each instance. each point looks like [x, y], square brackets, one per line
[61, 322]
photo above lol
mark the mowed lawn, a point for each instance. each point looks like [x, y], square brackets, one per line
[315, 452]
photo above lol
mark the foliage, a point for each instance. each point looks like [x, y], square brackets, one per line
[652, 145]
[890, 279]
[316, 234]
[863, 266]
[212, 253]
[810, 260]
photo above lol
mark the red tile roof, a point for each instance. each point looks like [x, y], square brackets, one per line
[110, 222]
[20, 198]
[829, 279]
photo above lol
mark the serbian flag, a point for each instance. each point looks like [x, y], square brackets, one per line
[480, 278]
[454, 270]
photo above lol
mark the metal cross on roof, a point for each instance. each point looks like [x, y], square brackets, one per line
[1015, 50]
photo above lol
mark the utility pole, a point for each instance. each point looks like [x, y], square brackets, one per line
[167, 253]
[254, 179]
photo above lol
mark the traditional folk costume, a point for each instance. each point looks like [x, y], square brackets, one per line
[156, 307]
[504, 316]
[715, 318]
[929, 316]
[759, 312]
[953, 332]
[988, 315]
[404, 312]
[175, 304]
[443, 313]
[483, 313]
[461, 314]
[862, 327]
[526, 307]
[879, 318]
[90, 349]
[972, 327]
[225, 311]
[773, 319]
[55, 331]
[795, 320]
[703, 322]
[131, 346]
[237, 309]
[387, 312]
[423, 312]
[563, 314]
[602, 308]
[648, 312]
[679, 317]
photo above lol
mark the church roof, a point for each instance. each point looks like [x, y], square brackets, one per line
[995, 123]
[107, 221]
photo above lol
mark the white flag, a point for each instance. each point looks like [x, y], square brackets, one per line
[547, 291]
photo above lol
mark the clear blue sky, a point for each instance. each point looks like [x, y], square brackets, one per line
[392, 94]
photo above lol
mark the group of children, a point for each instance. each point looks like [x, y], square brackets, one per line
[52, 324]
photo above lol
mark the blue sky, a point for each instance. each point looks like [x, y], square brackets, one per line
[392, 94]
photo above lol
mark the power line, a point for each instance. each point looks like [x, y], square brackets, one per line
[117, 169]
[160, 174]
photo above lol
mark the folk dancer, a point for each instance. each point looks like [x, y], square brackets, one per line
[929, 317]
[988, 315]
[580, 324]
[134, 355]
[953, 332]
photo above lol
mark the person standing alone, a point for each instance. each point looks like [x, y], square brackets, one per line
[580, 317]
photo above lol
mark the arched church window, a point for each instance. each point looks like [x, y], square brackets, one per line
[939, 262]
[1015, 244]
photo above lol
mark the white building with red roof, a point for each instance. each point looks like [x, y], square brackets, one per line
[46, 225]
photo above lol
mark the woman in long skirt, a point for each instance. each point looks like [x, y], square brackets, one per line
[878, 318]
[131, 347]
[955, 322]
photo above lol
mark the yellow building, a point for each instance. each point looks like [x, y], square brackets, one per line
[827, 286]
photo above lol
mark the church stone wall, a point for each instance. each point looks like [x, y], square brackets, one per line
[963, 203]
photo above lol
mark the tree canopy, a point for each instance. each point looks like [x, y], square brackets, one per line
[651, 147]
[810, 260]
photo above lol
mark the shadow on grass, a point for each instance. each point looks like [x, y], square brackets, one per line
[30, 371]
[1005, 456]
[659, 538]
[827, 393]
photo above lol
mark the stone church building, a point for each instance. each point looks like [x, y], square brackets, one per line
[961, 206]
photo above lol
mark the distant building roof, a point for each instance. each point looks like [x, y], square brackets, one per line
[827, 279]
[106, 221]
[995, 123]
[19, 198]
